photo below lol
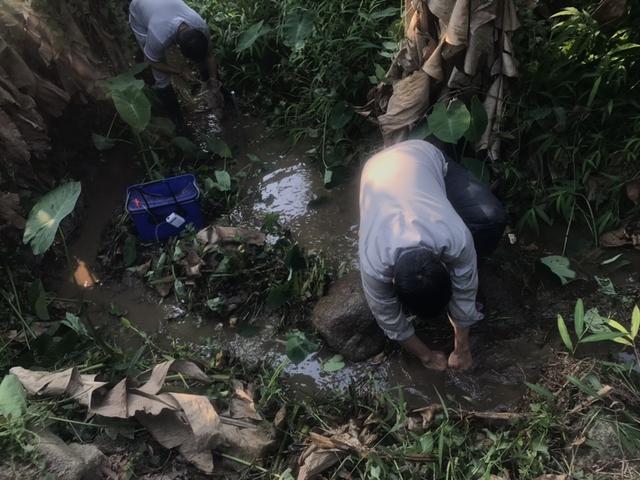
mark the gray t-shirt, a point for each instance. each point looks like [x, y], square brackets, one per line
[403, 204]
[157, 22]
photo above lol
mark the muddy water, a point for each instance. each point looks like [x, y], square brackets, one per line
[290, 185]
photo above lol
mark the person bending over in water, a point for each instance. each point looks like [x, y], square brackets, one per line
[424, 219]
[159, 24]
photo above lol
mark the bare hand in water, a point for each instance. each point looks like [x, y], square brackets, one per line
[435, 361]
[460, 360]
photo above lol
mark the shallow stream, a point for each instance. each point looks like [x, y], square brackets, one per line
[508, 347]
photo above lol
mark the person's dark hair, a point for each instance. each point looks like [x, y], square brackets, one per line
[422, 282]
[193, 44]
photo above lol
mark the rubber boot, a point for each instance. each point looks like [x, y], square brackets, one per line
[169, 99]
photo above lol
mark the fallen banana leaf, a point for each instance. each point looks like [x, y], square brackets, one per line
[184, 421]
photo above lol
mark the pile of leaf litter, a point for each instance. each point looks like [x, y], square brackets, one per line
[223, 272]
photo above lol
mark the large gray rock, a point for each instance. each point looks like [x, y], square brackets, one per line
[344, 320]
[72, 461]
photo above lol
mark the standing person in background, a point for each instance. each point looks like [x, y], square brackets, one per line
[159, 24]
[424, 220]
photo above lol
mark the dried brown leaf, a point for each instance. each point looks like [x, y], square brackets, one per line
[317, 462]
[280, 417]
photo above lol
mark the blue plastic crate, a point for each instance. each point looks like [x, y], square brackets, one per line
[151, 203]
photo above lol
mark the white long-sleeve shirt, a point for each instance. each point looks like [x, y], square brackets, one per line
[156, 22]
[403, 204]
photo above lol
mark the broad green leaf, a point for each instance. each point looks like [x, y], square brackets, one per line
[219, 147]
[162, 126]
[13, 398]
[133, 106]
[635, 322]
[216, 304]
[126, 80]
[179, 288]
[46, 215]
[449, 124]
[618, 326]
[186, 145]
[542, 391]
[333, 364]
[479, 121]
[129, 251]
[560, 266]
[328, 176]
[601, 337]
[564, 333]
[102, 143]
[298, 347]
[249, 37]
[38, 300]
[297, 29]
[421, 132]
[223, 180]
[578, 318]
[340, 115]
[605, 285]
[73, 322]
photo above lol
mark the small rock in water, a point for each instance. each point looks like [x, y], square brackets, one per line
[345, 322]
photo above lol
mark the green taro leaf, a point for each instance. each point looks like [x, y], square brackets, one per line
[298, 347]
[102, 143]
[564, 333]
[219, 147]
[133, 106]
[333, 364]
[479, 121]
[46, 215]
[340, 115]
[249, 37]
[560, 266]
[13, 398]
[297, 29]
[223, 180]
[420, 132]
[449, 124]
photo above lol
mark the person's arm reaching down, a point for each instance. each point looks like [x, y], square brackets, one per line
[387, 311]
[462, 308]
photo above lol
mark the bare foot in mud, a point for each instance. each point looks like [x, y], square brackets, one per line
[435, 361]
[461, 360]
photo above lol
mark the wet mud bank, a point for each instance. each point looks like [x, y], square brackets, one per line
[510, 345]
